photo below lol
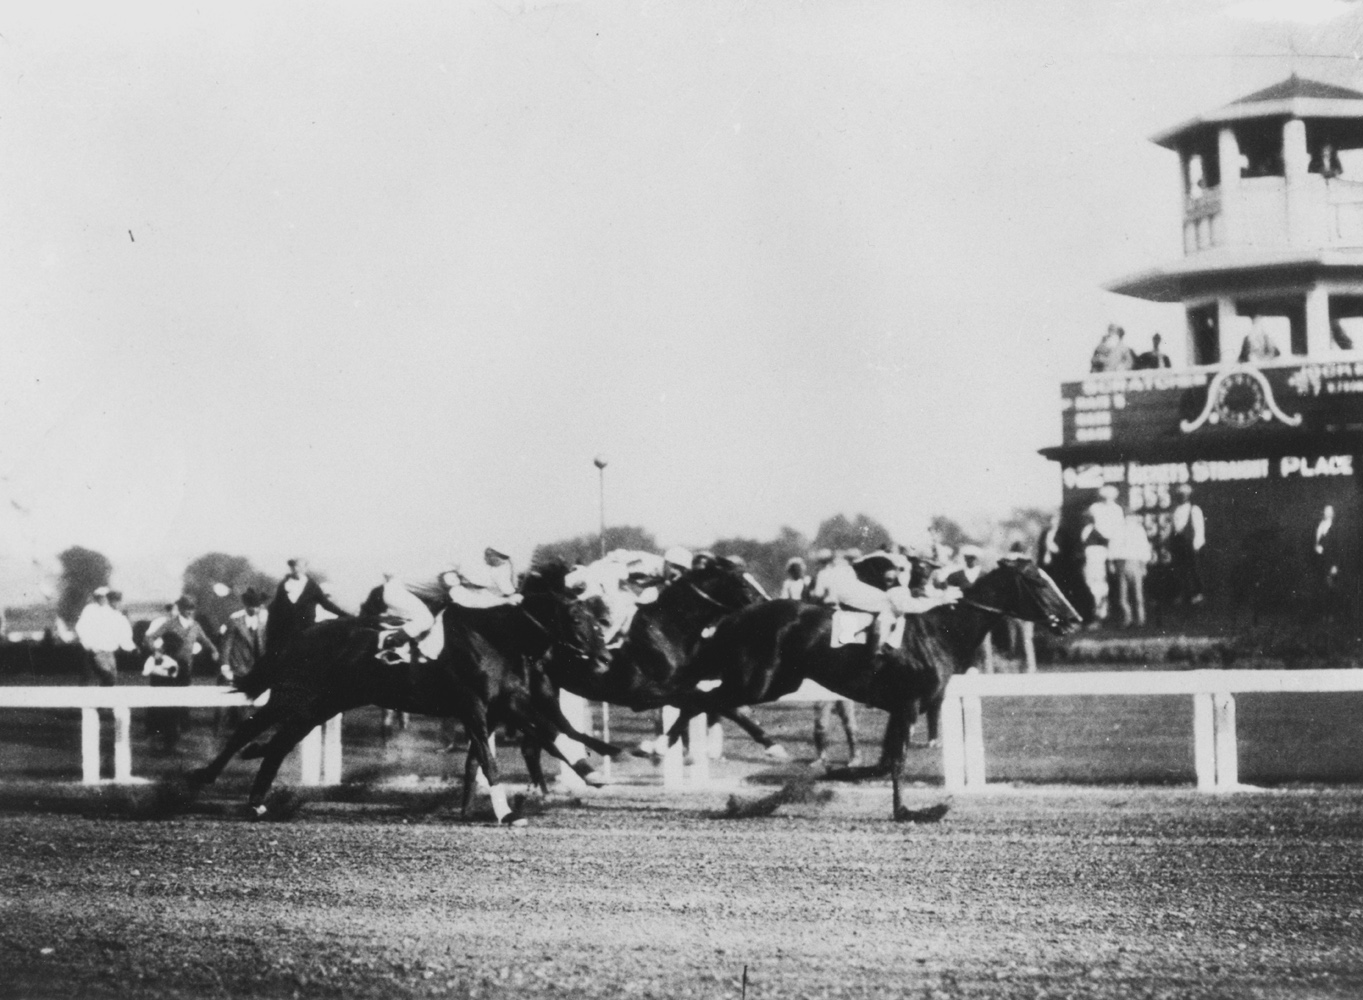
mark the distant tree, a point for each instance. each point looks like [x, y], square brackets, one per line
[82, 571]
[587, 548]
[766, 560]
[1024, 524]
[861, 532]
[208, 574]
[948, 532]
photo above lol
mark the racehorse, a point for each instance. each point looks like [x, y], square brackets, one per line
[653, 666]
[765, 652]
[486, 674]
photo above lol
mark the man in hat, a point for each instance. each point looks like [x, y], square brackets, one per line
[181, 637]
[295, 605]
[1185, 545]
[243, 637]
[965, 576]
[103, 631]
[1153, 358]
[1103, 522]
[795, 584]
[1112, 354]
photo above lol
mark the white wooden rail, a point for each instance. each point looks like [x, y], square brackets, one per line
[1213, 692]
[319, 753]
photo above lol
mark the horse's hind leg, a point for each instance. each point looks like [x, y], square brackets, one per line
[893, 751]
[248, 730]
[743, 718]
[530, 752]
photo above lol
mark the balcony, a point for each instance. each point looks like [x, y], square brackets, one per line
[1264, 213]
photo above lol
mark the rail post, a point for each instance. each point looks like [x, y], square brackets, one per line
[310, 759]
[123, 744]
[89, 745]
[953, 743]
[972, 723]
[1204, 741]
[1227, 753]
[575, 710]
[331, 750]
[674, 763]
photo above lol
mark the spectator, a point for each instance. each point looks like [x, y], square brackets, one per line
[181, 637]
[243, 637]
[1048, 546]
[964, 577]
[1112, 354]
[1130, 552]
[103, 631]
[294, 607]
[162, 669]
[1326, 551]
[796, 583]
[1258, 345]
[1185, 545]
[1103, 522]
[1154, 358]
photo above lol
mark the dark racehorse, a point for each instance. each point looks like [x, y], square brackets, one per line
[486, 674]
[768, 651]
[652, 667]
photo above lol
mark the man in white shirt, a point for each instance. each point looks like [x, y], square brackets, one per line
[103, 631]
[1103, 523]
[1185, 545]
[1130, 553]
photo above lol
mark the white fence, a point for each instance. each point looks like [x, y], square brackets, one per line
[1215, 753]
[320, 751]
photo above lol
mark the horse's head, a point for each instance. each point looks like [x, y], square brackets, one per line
[725, 585]
[1019, 589]
[572, 626]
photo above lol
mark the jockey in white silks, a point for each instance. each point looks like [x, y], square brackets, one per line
[625, 578]
[486, 585]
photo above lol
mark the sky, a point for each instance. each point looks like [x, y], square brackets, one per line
[374, 284]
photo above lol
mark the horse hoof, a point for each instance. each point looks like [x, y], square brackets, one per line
[595, 779]
[777, 752]
[513, 820]
[258, 813]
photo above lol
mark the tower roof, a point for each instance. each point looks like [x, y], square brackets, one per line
[1294, 86]
[1294, 97]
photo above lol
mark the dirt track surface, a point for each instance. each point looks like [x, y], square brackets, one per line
[1112, 893]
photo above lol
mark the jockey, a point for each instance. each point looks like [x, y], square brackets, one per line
[484, 586]
[405, 617]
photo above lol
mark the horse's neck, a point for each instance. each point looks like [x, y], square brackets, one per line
[681, 619]
[965, 628]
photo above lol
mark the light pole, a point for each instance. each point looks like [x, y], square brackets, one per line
[600, 462]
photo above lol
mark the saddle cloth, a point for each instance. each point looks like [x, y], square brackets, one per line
[852, 628]
[428, 646]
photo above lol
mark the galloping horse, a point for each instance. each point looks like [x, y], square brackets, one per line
[487, 673]
[654, 665]
[765, 652]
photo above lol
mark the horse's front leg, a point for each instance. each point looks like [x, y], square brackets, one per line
[243, 734]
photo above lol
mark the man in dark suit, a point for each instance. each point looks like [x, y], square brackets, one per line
[295, 605]
[1153, 358]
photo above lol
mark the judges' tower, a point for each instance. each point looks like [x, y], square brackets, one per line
[1273, 242]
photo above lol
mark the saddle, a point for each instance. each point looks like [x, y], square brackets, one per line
[395, 646]
[854, 628]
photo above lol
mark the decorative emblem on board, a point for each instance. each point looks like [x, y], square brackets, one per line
[1239, 397]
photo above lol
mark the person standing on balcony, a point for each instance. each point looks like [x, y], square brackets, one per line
[1154, 358]
[1112, 354]
[1185, 545]
[1258, 345]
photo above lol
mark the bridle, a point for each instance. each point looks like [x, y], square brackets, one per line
[553, 639]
